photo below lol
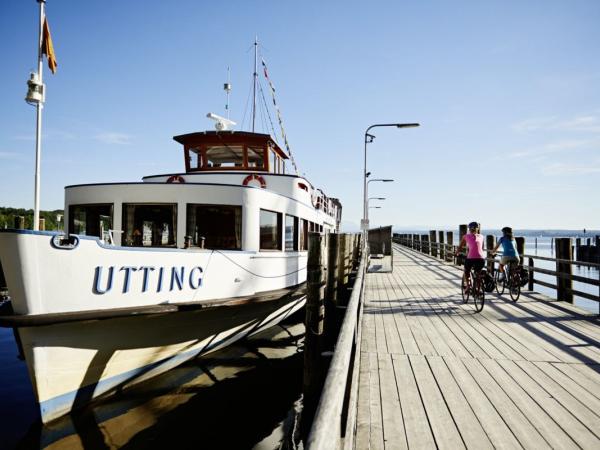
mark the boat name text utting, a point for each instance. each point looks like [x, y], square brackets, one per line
[173, 279]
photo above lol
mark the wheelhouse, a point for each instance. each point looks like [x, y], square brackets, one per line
[232, 150]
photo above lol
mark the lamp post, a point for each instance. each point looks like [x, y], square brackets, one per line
[368, 139]
[374, 198]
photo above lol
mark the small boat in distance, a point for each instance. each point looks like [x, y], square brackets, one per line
[147, 275]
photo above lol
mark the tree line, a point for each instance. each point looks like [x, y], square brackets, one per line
[7, 218]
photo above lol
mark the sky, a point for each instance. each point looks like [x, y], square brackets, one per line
[506, 92]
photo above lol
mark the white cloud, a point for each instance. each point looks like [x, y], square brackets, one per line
[58, 135]
[560, 146]
[535, 124]
[570, 169]
[114, 138]
[9, 155]
[584, 123]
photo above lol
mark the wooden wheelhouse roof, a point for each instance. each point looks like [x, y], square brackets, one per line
[229, 138]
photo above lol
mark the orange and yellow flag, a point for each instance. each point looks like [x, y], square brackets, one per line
[48, 48]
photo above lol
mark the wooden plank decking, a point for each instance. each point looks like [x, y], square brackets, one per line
[436, 374]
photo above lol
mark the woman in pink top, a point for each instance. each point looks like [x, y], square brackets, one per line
[474, 242]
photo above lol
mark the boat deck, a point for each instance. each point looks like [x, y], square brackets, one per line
[435, 374]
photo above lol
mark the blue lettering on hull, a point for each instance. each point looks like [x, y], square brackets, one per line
[175, 277]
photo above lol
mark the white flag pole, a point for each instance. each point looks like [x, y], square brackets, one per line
[38, 132]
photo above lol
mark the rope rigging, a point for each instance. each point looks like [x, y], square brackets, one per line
[283, 134]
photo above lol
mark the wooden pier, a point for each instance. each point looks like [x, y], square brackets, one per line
[433, 373]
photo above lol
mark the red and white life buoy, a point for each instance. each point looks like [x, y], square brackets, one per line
[175, 179]
[255, 177]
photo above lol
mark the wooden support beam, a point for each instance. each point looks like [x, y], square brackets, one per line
[490, 243]
[425, 243]
[314, 323]
[19, 222]
[564, 286]
[450, 245]
[433, 241]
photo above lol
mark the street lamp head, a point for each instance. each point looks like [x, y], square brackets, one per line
[407, 125]
[376, 198]
[374, 207]
[387, 180]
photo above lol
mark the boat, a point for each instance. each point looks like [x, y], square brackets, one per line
[149, 274]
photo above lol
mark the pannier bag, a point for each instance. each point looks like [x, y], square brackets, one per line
[524, 276]
[488, 282]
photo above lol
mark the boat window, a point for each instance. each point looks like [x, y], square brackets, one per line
[225, 156]
[303, 234]
[270, 230]
[91, 220]
[149, 225]
[274, 163]
[291, 238]
[195, 158]
[255, 157]
[215, 226]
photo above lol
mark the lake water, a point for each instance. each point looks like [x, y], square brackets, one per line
[245, 396]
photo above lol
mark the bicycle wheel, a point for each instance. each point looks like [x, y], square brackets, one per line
[465, 288]
[515, 286]
[478, 293]
[500, 284]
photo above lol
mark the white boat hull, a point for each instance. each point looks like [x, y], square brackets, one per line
[72, 363]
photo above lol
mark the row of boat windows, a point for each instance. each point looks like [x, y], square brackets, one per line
[235, 157]
[208, 226]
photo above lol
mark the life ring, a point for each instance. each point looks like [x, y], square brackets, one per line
[175, 179]
[255, 177]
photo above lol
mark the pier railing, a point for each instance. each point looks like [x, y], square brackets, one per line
[335, 418]
[564, 262]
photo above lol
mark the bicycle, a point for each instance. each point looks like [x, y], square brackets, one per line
[512, 281]
[474, 286]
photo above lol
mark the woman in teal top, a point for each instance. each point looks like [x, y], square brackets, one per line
[509, 249]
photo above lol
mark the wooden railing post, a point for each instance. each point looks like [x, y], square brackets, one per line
[19, 222]
[490, 243]
[355, 251]
[442, 246]
[531, 272]
[418, 242]
[42, 224]
[342, 268]
[520, 248]
[433, 241]
[462, 231]
[314, 323]
[332, 259]
[450, 245]
[564, 285]
[425, 243]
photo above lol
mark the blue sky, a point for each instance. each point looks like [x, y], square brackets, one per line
[507, 94]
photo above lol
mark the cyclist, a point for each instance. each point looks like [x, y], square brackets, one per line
[474, 242]
[509, 250]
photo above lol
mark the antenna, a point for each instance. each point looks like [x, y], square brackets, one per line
[227, 88]
[254, 83]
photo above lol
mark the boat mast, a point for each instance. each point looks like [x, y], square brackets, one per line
[227, 88]
[255, 81]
